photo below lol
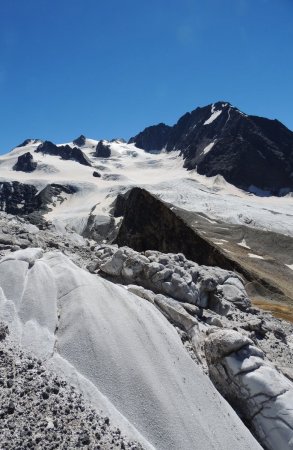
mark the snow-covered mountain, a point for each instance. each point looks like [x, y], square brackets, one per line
[93, 186]
[136, 279]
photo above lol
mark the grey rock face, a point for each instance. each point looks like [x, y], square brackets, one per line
[25, 163]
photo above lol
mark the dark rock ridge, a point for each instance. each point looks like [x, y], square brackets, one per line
[64, 151]
[103, 150]
[25, 163]
[80, 141]
[150, 224]
[24, 200]
[253, 153]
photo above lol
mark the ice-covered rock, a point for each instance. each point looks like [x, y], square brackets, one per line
[118, 350]
[175, 276]
[261, 394]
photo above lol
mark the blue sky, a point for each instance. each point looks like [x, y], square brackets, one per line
[109, 69]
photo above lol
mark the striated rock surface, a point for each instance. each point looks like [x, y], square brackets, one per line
[261, 394]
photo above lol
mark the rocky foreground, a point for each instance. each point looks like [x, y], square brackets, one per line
[148, 345]
[40, 410]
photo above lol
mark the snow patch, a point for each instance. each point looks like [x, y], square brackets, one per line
[214, 116]
[252, 255]
[243, 244]
[208, 148]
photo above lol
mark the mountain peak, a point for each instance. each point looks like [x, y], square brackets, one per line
[253, 153]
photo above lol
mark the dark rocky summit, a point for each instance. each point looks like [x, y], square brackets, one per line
[64, 151]
[103, 150]
[25, 163]
[251, 152]
[80, 141]
[96, 174]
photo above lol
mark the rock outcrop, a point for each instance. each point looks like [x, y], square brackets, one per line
[173, 275]
[103, 150]
[64, 151]
[25, 200]
[251, 152]
[150, 224]
[25, 163]
[80, 141]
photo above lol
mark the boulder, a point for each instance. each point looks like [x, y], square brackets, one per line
[103, 150]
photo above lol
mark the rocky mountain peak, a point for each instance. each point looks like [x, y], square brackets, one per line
[29, 142]
[80, 141]
[253, 153]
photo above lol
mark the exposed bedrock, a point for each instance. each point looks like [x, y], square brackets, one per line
[103, 150]
[64, 151]
[24, 199]
[25, 163]
[262, 395]
[253, 153]
[80, 141]
[150, 224]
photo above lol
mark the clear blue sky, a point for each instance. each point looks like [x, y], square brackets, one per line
[110, 68]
